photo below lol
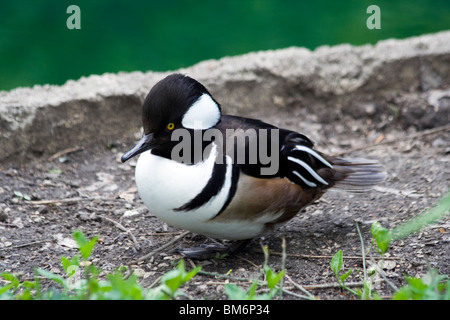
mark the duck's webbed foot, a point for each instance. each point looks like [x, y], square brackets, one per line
[209, 251]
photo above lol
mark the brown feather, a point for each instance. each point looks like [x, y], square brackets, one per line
[276, 197]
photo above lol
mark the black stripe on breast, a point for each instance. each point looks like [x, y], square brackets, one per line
[234, 183]
[210, 190]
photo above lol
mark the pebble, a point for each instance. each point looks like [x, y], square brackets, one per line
[3, 216]
[139, 272]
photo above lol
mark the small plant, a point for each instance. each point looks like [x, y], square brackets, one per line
[336, 264]
[172, 281]
[81, 281]
[273, 279]
[274, 282]
[11, 290]
[382, 237]
[367, 284]
[431, 286]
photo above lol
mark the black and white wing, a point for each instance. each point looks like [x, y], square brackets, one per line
[309, 168]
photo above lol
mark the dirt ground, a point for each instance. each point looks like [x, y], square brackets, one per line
[43, 202]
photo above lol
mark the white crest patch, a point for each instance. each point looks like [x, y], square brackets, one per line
[203, 114]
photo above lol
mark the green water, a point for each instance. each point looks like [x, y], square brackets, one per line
[36, 47]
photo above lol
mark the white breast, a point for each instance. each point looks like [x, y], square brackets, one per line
[165, 185]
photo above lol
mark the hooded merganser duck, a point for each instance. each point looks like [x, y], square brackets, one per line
[229, 177]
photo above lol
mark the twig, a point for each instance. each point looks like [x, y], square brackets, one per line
[64, 152]
[26, 244]
[307, 256]
[296, 294]
[71, 200]
[154, 283]
[335, 285]
[9, 225]
[162, 233]
[259, 282]
[148, 255]
[248, 261]
[362, 251]
[299, 287]
[283, 263]
[411, 137]
[66, 200]
[121, 227]
[224, 276]
[382, 273]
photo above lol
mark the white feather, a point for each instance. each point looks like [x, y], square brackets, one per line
[309, 183]
[314, 154]
[203, 114]
[309, 169]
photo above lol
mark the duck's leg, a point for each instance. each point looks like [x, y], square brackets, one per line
[209, 251]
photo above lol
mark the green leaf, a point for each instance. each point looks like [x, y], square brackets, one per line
[55, 171]
[381, 235]
[121, 288]
[79, 238]
[51, 276]
[446, 287]
[85, 246]
[189, 275]
[66, 264]
[402, 294]
[337, 262]
[251, 292]
[18, 194]
[427, 217]
[26, 295]
[429, 287]
[172, 279]
[29, 284]
[11, 278]
[272, 277]
[234, 292]
[177, 277]
[345, 275]
[5, 289]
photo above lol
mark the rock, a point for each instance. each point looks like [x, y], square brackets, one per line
[3, 215]
[327, 82]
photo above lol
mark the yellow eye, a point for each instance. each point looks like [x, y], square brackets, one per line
[170, 126]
